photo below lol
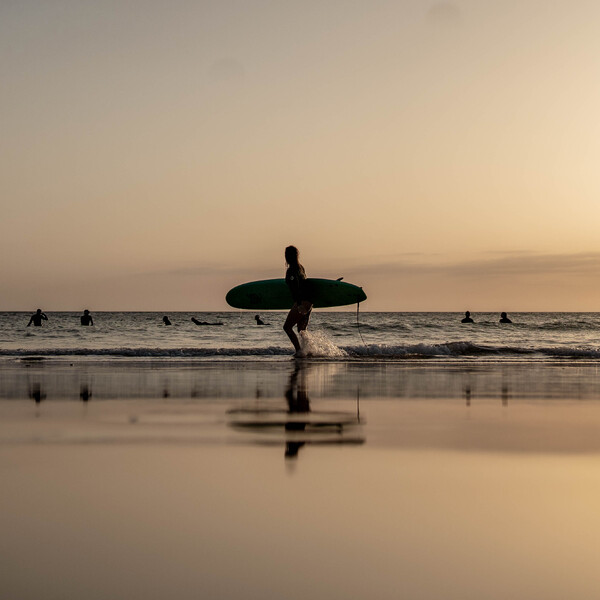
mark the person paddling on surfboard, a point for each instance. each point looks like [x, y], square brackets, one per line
[299, 315]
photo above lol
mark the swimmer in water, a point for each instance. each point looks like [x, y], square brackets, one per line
[166, 320]
[504, 318]
[299, 314]
[467, 318]
[259, 321]
[86, 318]
[37, 318]
[196, 322]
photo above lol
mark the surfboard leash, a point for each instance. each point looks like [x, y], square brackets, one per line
[358, 324]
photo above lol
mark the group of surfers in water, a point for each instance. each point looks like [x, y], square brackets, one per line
[86, 319]
[299, 315]
[503, 318]
[38, 316]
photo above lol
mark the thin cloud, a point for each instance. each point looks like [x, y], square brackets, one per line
[209, 271]
[525, 264]
[529, 266]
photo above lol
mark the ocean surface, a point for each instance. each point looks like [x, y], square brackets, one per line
[332, 335]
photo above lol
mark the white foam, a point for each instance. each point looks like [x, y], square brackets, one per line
[317, 344]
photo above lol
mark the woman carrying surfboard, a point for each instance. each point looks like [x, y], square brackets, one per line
[299, 314]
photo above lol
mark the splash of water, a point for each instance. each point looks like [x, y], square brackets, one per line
[317, 344]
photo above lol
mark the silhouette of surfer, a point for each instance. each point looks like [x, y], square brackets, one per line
[299, 314]
[259, 321]
[467, 318]
[37, 318]
[504, 318]
[166, 320]
[196, 322]
[86, 318]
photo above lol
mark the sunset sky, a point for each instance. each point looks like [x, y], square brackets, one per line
[443, 155]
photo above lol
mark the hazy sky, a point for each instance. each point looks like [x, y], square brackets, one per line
[443, 155]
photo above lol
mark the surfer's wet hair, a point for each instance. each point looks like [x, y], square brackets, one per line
[291, 255]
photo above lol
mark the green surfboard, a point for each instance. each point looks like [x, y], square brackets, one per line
[274, 294]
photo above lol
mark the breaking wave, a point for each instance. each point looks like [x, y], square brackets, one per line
[320, 347]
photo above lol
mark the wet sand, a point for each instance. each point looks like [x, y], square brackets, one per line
[144, 479]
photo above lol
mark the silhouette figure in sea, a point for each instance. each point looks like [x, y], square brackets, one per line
[467, 318]
[259, 321]
[86, 318]
[196, 322]
[37, 318]
[166, 320]
[504, 318]
[299, 315]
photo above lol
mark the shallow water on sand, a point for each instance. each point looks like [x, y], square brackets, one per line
[145, 479]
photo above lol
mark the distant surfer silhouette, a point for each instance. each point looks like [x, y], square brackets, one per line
[86, 318]
[299, 314]
[196, 322]
[504, 318]
[37, 318]
[166, 320]
[259, 321]
[467, 318]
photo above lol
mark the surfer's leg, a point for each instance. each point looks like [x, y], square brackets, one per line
[292, 319]
[306, 310]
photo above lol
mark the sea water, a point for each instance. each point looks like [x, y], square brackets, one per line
[370, 335]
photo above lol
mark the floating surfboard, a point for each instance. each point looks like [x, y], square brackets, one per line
[274, 294]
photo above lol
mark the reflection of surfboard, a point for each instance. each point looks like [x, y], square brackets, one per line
[258, 419]
[297, 429]
[274, 294]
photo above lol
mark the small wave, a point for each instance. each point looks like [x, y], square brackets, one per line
[572, 352]
[149, 352]
[318, 346]
[465, 349]
[572, 326]
[381, 328]
[426, 350]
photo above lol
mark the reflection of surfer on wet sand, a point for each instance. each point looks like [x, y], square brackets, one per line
[298, 402]
[300, 424]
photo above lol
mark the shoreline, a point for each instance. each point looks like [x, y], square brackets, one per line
[123, 378]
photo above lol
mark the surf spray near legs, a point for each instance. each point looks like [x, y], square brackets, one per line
[316, 344]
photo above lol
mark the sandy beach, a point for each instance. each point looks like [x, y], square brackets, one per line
[148, 479]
